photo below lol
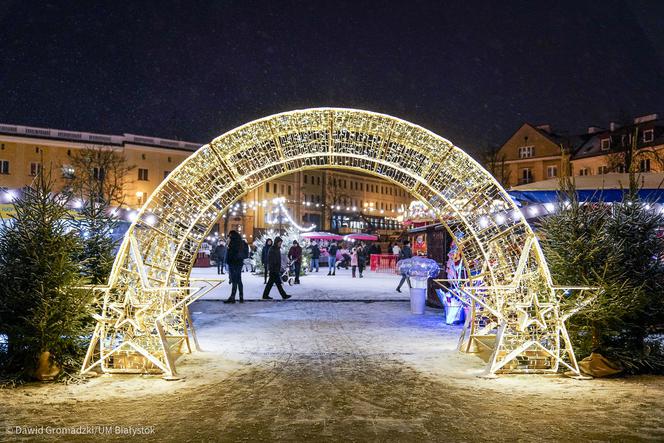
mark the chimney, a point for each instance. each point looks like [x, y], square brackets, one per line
[593, 129]
[613, 126]
[546, 128]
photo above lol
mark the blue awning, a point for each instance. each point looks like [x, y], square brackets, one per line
[585, 195]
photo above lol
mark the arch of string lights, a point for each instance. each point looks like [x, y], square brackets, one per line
[143, 321]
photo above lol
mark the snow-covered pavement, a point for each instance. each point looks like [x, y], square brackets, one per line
[339, 370]
[316, 286]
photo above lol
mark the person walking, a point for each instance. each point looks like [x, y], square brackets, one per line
[237, 252]
[274, 271]
[315, 257]
[264, 254]
[295, 256]
[396, 250]
[220, 257]
[361, 258]
[332, 258]
[353, 261]
[404, 254]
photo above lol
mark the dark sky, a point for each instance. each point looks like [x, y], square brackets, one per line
[470, 71]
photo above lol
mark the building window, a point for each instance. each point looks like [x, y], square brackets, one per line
[620, 169]
[584, 171]
[605, 144]
[267, 187]
[526, 176]
[318, 180]
[35, 168]
[67, 171]
[274, 188]
[648, 135]
[4, 167]
[601, 170]
[552, 171]
[526, 151]
[166, 173]
[644, 165]
[169, 159]
[283, 189]
[305, 179]
[142, 174]
[98, 173]
[289, 189]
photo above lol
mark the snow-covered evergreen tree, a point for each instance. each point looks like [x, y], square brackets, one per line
[40, 309]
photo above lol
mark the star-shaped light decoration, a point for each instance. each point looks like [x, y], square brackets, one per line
[141, 327]
[529, 330]
[533, 313]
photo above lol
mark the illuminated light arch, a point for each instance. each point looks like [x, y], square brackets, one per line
[143, 321]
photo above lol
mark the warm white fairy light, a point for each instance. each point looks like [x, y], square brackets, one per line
[152, 263]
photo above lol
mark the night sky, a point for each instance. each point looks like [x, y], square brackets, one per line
[469, 71]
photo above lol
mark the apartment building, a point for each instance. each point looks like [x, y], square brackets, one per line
[330, 199]
[535, 153]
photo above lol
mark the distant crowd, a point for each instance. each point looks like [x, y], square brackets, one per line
[280, 267]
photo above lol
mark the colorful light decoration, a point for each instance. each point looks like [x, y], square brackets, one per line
[150, 283]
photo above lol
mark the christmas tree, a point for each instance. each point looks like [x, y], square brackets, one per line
[42, 314]
[613, 247]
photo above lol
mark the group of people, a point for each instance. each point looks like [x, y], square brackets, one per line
[234, 256]
[276, 263]
[219, 255]
[339, 256]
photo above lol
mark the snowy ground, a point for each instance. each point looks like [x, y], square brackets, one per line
[340, 371]
[316, 286]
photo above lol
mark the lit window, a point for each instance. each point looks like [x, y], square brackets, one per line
[142, 174]
[605, 144]
[526, 151]
[648, 135]
[4, 167]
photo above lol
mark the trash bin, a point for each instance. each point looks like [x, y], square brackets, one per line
[419, 269]
[418, 295]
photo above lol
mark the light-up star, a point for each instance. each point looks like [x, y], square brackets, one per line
[517, 344]
[152, 329]
[131, 311]
[533, 313]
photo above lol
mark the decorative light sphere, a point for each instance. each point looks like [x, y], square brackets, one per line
[419, 267]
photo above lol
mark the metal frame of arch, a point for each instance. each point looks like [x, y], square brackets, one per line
[142, 314]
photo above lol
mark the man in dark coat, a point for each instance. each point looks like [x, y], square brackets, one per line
[237, 252]
[405, 253]
[274, 271]
[315, 256]
[264, 253]
[361, 258]
[332, 258]
[295, 255]
[220, 257]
